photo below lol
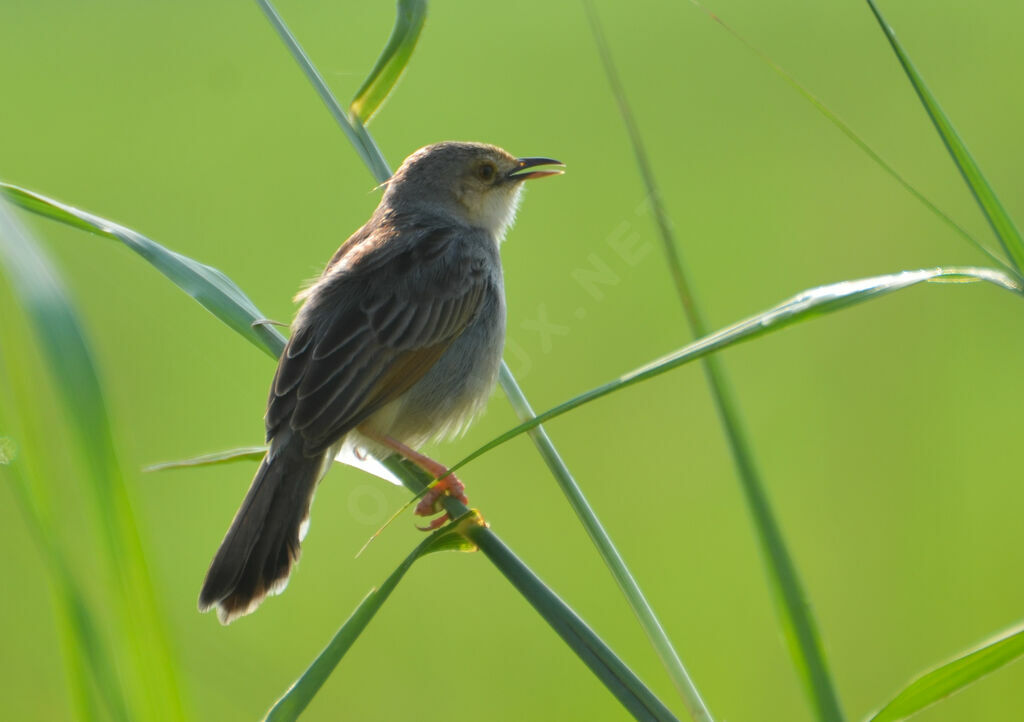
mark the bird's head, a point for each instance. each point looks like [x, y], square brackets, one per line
[479, 184]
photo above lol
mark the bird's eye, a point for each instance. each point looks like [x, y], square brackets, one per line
[486, 172]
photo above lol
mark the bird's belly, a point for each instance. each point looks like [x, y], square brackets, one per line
[455, 390]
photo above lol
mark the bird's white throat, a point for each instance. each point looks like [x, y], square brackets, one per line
[497, 211]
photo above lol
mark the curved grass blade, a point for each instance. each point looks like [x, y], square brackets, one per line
[301, 693]
[357, 135]
[366, 463]
[798, 623]
[808, 304]
[1004, 227]
[392, 61]
[852, 135]
[214, 291]
[953, 676]
[147, 659]
[246, 453]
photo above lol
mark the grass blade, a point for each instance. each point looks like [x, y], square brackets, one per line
[301, 693]
[256, 453]
[392, 61]
[620, 572]
[362, 142]
[856, 139]
[602, 661]
[953, 676]
[214, 291]
[147, 661]
[246, 453]
[1004, 227]
[791, 598]
[808, 304]
[615, 675]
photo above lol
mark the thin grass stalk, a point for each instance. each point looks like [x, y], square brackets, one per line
[805, 644]
[619, 679]
[1000, 221]
[649, 621]
[301, 693]
[363, 144]
[591, 649]
[851, 134]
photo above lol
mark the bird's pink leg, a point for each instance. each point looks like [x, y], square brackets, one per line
[449, 484]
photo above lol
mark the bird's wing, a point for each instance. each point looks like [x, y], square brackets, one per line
[375, 330]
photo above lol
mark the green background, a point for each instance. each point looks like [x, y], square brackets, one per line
[888, 434]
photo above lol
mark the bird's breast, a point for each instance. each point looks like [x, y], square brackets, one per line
[455, 390]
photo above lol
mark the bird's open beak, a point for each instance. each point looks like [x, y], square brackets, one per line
[530, 168]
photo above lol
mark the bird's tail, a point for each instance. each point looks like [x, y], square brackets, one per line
[261, 546]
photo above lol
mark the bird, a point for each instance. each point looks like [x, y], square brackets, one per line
[398, 342]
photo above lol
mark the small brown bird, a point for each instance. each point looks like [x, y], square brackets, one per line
[398, 342]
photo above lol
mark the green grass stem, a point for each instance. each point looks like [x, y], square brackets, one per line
[1001, 222]
[852, 135]
[627, 583]
[602, 661]
[146, 667]
[301, 693]
[788, 590]
[360, 140]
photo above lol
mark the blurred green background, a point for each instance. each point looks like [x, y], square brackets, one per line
[888, 434]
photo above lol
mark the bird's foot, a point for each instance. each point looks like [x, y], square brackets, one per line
[446, 484]
[430, 502]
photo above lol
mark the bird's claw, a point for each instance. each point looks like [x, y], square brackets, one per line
[435, 523]
[430, 504]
